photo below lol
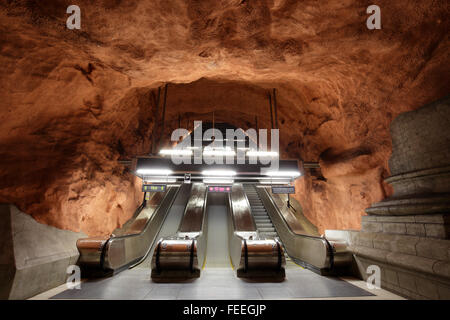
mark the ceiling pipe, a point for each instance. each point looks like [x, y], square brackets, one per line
[275, 107]
[163, 116]
[155, 125]
[271, 112]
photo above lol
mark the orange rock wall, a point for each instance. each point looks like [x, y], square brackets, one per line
[72, 102]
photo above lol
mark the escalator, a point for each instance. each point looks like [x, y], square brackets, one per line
[171, 222]
[169, 233]
[131, 244]
[264, 225]
[202, 240]
[275, 220]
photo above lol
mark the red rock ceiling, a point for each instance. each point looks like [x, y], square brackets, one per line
[75, 101]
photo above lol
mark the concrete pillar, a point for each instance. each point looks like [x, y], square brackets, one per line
[407, 235]
[33, 257]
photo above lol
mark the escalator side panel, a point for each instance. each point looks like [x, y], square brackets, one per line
[128, 250]
[193, 218]
[240, 209]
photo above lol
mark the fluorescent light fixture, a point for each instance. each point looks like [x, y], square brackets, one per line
[176, 152]
[155, 172]
[161, 180]
[293, 174]
[270, 182]
[253, 153]
[218, 181]
[220, 152]
[192, 148]
[223, 173]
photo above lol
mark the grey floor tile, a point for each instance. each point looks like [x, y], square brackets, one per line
[220, 293]
[163, 293]
[214, 283]
[275, 293]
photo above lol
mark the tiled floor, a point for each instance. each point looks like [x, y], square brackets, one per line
[221, 284]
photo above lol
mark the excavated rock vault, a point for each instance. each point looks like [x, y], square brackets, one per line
[73, 102]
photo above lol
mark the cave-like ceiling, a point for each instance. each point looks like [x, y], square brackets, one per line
[73, 102]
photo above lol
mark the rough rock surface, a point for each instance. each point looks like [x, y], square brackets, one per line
[72, 102]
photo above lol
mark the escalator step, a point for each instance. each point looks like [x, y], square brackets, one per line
[260, 226]
[267, 235]
[261, 214]
[258, 210]
[268, 229]
[262, 221]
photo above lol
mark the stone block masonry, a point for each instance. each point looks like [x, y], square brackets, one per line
[408, 234]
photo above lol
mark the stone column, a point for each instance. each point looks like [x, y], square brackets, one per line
[407, 235]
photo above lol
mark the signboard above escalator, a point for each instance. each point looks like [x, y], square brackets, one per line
[154, 188]
[219, 189]
[283, 189]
